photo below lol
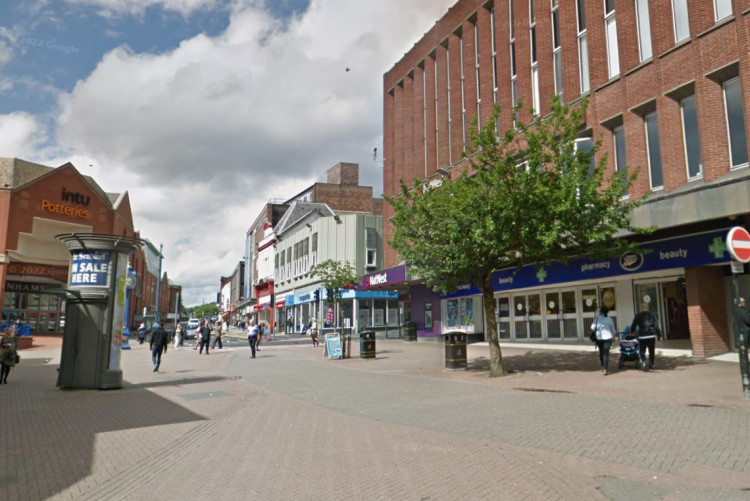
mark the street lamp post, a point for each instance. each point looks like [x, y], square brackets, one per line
[158, 285]
[130, 281]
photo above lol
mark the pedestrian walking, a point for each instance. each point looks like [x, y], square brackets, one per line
[177, 336]
[158, 344]
[646, 327]
[604, 328]
[744, 315]
[314, 332]
[252, 337]
[205, 336]
[261, 331]
[218, 329]
[141, 333]
[8, 354]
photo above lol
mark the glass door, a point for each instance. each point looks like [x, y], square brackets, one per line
[554, 315]
[527, 312]
[589, 306]
[503, 317]
[520, 309]
[648, 293]
[569, 311]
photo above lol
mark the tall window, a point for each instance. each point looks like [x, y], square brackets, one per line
[690, 136]
[644, 29]
[463, 91]
[513, 74]
[314, 259]
[534, 61]
[371, 248]
[448, 79]
[681, 22]
[735, 122]
[654, 151]
[494, 64]
[583, 46]
[424, 115]
[437, 115]
[610, 26]
[477, 74]
[722, 9]
[556, 52]
[621, 162]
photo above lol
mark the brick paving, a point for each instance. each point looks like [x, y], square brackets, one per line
[294, 425]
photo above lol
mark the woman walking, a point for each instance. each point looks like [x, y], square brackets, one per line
[604, 328]
[8, 354]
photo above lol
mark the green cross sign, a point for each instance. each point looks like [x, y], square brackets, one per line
[718, 247]
[541, 275]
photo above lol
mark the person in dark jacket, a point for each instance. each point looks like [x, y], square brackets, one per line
[205, 336]
[646, 326]
[744, 321]
[158, 344]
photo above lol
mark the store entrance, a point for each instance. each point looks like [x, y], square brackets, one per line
[668, 302]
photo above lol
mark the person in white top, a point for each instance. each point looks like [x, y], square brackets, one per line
[605, 331]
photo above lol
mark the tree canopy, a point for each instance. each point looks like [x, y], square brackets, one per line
[530, 196]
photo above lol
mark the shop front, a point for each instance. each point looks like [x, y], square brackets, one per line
[557, 303]
[33, 264]
[264, 311]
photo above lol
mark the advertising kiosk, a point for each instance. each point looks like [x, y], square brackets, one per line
[92, 341]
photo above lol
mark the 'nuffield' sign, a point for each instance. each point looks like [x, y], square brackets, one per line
[90, 268]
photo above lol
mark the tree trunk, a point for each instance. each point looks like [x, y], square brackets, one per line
[490, 314]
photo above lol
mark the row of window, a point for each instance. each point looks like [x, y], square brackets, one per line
[735, 121]
[680, 18]
[296, 260]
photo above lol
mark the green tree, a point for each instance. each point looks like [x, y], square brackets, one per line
[530, 197]
[336, 277]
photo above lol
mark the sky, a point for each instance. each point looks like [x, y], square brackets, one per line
[202, 110]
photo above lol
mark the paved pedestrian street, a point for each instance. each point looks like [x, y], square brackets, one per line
[293, 425]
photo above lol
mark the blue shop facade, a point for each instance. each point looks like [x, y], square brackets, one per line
[557, 302]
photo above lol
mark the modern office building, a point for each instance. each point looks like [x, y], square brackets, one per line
[665, 82]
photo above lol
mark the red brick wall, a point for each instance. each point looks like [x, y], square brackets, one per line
[706, 311]
[709, 48]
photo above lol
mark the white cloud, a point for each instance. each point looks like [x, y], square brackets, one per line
[21, 135]
[203, 135]
[138, 7]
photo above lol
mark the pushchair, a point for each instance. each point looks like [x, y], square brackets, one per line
[629, 348]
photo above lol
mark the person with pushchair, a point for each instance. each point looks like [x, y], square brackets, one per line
[646, 327]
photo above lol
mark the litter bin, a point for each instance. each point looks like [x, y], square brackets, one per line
[455, 350]
[367, 344]
[410, 329]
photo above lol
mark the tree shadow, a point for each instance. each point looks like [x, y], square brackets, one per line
[563, 361]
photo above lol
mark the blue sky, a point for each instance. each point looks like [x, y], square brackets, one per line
[244, 99]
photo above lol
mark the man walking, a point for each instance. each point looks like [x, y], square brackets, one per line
[217, 331]
[205, 336]
[159, 341]
[646, 327]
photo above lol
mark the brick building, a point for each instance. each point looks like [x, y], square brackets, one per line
[665, 85]
[38, 202]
